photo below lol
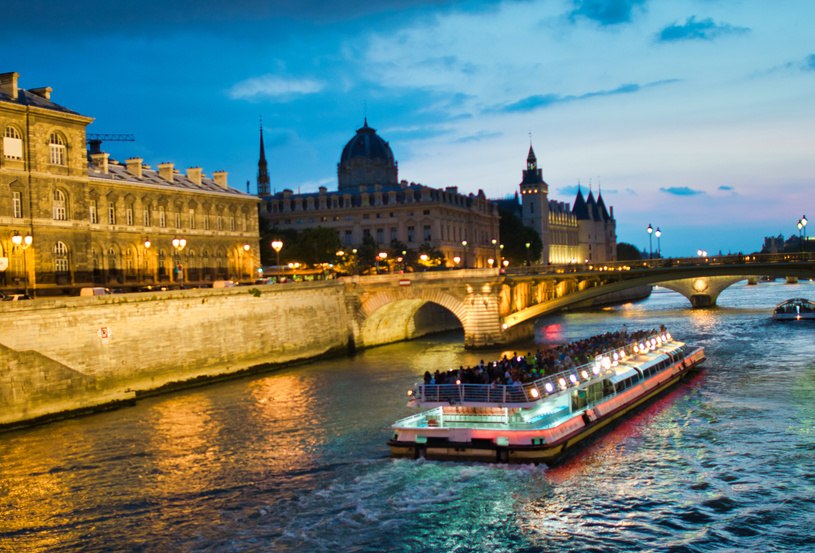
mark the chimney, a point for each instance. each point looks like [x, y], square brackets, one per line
[100, 160]
[166, 171]
[8, 84]
[134, 166]
[194, 174]
[43, 92]
[220, 178]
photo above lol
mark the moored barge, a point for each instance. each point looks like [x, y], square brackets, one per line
[536, 422]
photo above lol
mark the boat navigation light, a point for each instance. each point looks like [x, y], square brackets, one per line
[668, 334]
[534, 392]
[549, 388]
[622, 354]
[636, 348]
[458, 382]
[585, 375]
[659, 340]
[595, 369]
[616, 356]
[573, 378]
[664, 337]
[562, 383]
[410, 393]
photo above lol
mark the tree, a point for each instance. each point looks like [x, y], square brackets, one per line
[627, 252]
[317, 245]
[435, 258]
[515, 236]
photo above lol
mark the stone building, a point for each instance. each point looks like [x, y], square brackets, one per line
[584, 233]
[70, 219]
[371, 201]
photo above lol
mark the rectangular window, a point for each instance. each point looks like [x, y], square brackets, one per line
[411, 234]
[427, 212]
[348, 236]
[17, 205]
[206, 222]
[192, 218]
[162, 217]
[243, 222]
[393, 234]
[147, 216]
[380, 236]
[221, 224]
[129, 214]
[112, 213]
[57, 154]
[177, 220]
[427, 236]
[12, 144]
[366, 233]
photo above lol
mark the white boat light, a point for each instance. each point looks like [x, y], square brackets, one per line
[562, 383]
[595, 369]
[573, 378]
[642, 346]
[585, 375]
[670, 338]
[636, 348]
[616, 356]
[622, 353]
[458, 382]
[534, 392]
[549, 388]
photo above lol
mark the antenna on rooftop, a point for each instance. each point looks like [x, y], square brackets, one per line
[95, 141]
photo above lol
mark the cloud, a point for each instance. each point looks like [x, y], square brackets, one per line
[809, 63]
[479, 136]
[606, 12]
[567, 190]
[631, 191]
[273, 86]
[531, 103]
[681, 191]
[705, 29]
[725, 188]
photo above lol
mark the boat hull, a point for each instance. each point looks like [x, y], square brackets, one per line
[572, 432]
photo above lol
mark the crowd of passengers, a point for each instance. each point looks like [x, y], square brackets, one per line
[518, 369]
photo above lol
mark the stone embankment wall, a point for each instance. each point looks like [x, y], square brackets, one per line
[74, 354]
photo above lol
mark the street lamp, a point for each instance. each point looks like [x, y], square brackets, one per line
[383, 256]
[804, 222]
[144, 257]
[490, 261]
[246, 248]
[464, 245]
[800, 240]
[23, 242]
[178, 244]
[650, 229]
[277, 245]
[659, 249]
[456, 260]
[528, 261]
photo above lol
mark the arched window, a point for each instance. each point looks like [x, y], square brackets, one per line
[57, 147]
[12, 144]
[112, 264]
[60, 257]
[60, 213]
[130, 264]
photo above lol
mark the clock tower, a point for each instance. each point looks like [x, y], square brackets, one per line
[535, 202]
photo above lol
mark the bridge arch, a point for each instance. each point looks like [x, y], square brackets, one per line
[393, 314]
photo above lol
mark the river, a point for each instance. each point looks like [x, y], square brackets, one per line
[295, 460]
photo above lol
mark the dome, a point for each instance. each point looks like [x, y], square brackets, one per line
[366, 160]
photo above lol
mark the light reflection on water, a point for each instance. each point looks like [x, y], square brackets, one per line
[295, 460]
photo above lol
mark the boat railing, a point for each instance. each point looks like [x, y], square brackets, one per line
[532, 392]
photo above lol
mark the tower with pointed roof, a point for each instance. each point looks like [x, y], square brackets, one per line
[264, 186]
[535, 202]
[597, 228]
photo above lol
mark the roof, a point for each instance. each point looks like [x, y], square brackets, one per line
[26, 98]
[580, 208]
[118, 172]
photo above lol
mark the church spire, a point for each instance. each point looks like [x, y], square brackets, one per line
[263, 169]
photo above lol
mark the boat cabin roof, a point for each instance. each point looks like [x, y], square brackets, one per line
[805, 305]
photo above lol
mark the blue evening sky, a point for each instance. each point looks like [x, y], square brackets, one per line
[696, 116]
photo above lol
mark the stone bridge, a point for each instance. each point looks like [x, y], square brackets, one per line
[495, 309]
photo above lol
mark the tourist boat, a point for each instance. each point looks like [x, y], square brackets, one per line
[538, 421]
[795, 309]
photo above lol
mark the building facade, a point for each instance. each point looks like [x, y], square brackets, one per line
[70, 219]
[371, 201]
[586, 233]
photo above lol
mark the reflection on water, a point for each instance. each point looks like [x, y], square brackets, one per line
[296, 460]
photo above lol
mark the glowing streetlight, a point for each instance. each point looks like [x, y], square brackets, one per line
[277, 245]
[490, 261]
[178, 244]
[22, 243]
[528, 261]
[464, 245]
[658, 233]
[650, 229]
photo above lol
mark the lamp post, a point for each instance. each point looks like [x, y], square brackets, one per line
[246, 248]
[144, 258]
[383, 256]
[804, 223]
[528, 261]
[22, 243]
[800, 240]
[464, 245]
[354, 251]
[650, 229]
[495, 249]
[456, 260]
[490, 261]
[658, 233]
[404, 261]
[277, 245]
[179, 244]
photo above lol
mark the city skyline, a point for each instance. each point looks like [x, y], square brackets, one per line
[694, 117]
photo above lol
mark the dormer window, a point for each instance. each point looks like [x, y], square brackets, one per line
[57, 148]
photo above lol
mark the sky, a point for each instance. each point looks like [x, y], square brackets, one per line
[694, 116]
